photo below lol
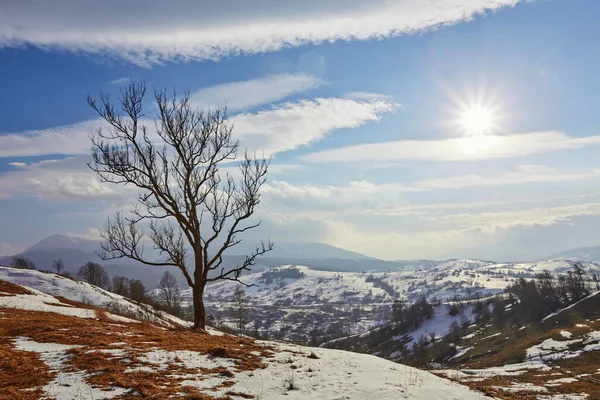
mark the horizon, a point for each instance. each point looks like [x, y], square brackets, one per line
[398, 130]
[553, 256]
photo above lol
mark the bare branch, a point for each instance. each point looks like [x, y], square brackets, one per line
[192, 213]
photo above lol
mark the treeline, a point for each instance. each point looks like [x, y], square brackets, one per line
[380, 283]
[270, 276]
[547, 293]
[403, 319]
[409, 318]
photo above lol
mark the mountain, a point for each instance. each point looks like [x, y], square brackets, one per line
[304, 251]
[56, 347]
[73, 251]
[581, 253]
[62, 242]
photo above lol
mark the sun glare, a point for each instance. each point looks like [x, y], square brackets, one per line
[478, 120]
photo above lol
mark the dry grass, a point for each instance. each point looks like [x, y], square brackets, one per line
[21, 370]
[581, 368]
[9, 289]
[22, 373]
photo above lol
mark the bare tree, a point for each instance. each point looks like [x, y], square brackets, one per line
[169, 291]
[240, 310]
[137, 291]
[186, 205]
[94, 274]
[58, 265]
[22, 263]
[120, 285]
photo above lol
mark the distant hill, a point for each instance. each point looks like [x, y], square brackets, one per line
[56, 242]
[313, 251]
[77, 251]
[74, 252]
[581, 253]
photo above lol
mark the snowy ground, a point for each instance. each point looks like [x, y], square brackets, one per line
[89, 357]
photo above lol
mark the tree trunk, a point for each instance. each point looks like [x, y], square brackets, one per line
[199, 310]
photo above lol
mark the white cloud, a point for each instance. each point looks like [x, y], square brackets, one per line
[291, 125]
[17, 164]
[354, 197]
[280, 128]
[247, 94]
[454, 149]
[9, 249]
[120, 81]
[429, 235]
[69, 139]
[489, 221]
[524, 174]
[211, 29]
[367, 198]
[489, 235]
[382, 220]
[65, 179]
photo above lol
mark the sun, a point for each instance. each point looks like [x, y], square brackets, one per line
[478, 120]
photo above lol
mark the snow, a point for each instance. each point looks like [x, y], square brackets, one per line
[491, 336]
[191, 359]
[461, 352]
[344, 375]
[395, 354]
[334, 374]
[505, 370]
[439, 324]
[46, 285]
[551, 349]
[559, 381]
[566, 334]
[118, 318]
[39, 301]
[523, 387]
[65, 385]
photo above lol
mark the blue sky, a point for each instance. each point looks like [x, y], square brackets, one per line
[399, 129]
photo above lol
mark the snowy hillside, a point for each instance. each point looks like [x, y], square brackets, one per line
[555, 358]
[293, 302]
[61, 349]
[82, 292]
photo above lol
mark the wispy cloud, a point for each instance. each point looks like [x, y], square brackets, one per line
[120, 81]
[280, 128]
[68, 139]
[248, 94]
[291, 125]
[454, 149]
[350, 198]
[184, 30]
[65, 179]
[429, 234]
[524, 174]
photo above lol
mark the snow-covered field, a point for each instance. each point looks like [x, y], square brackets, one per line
[79, 354]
